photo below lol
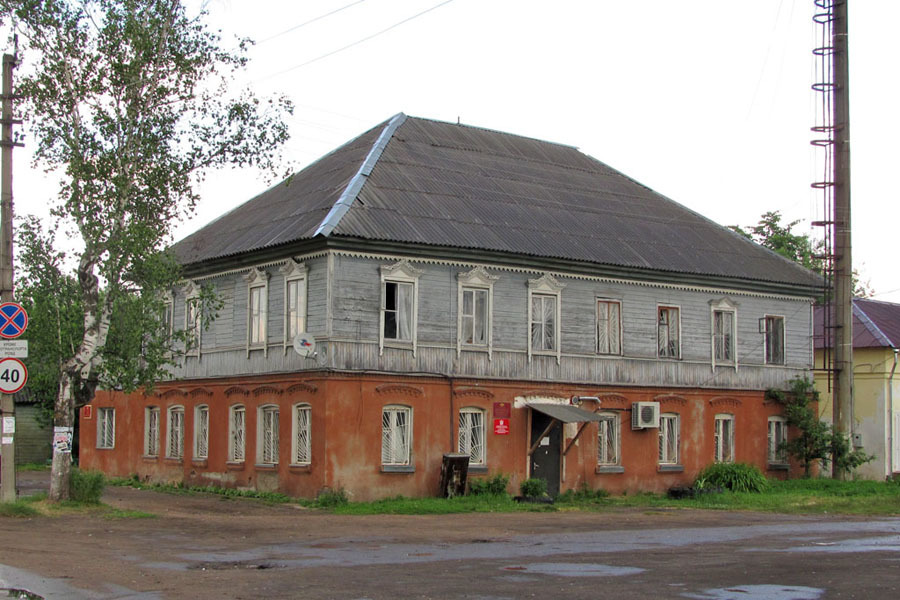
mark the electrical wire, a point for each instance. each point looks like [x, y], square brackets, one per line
[305, 23]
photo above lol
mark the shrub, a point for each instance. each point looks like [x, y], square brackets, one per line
[737, 477]
[489, 486]
[332, 498]
[86, 486]
[583, 494]
[534, 488]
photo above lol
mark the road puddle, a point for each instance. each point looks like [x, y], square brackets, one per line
[574, 569]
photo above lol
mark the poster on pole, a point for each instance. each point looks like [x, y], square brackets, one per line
[62, 440]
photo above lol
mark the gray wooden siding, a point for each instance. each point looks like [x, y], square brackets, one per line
[355, 306]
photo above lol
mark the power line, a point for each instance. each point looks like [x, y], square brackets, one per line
[357, 42]
[304, 24]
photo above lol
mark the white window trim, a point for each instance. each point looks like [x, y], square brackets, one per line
[477, 279]
[261, 415]
[668, 460]
[406, 465]
[772, 452]
[678, 329]
[199, 434]
[294, 271]
[232, 410]
[766, 340]
[546, 285]
[729, 306]
[151, 450]
[597, 328]
[106, 414]
[258, 279]
[168, 300]
[295, 430]
[400, 272]
[720, 450]
[469, 410]
[192, 295]
[173, 442]
[616, 420]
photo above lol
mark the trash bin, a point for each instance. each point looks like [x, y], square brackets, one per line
[454, 471]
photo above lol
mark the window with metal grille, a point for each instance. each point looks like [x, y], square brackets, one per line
[544, 332]
[301, 452]
[669, 425]
[668, 332]
[774, 340]
[267, 435]
[396, 435]
[201, 432]
[778, 430]
[723, 336]
[724, 438]
[474, 318]
[295, 307]
[106, 427]
[609, 327]
[175, 432]
[151, 431]
[471, 435]
[608, 439]
[236, 434]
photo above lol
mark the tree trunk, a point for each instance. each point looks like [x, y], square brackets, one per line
[63, 416]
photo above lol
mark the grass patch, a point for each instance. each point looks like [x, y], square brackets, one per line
[117, 513]
[19, 508]
[33, 467]
[401, 505]
[179, 488]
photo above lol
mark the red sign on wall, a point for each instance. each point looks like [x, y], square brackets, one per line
[501, 410]
[87, 411]
[501, 426]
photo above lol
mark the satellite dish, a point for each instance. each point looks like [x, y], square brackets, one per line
[304, 344]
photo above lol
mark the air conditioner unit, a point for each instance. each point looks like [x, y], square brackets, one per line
[645, 415]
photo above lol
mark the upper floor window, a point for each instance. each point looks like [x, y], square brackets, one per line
[294, 300]
[257, 309]
[175, 432]
[724, 438]
[544, 315]
[106, 428]
[471, 435]
[201, 432]
[669, 332]
[777, 453]
[475, 310]
[609, 327]
[267, 435]
[193, 318]
[724, 332]
[396, 435]
[151, 431]
[774, 330]
[236, 434]
[166, 318]
[669, 434]
[399, 292]
[608, 443]
[301, 447]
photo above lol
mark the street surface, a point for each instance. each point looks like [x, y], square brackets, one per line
[203, 546]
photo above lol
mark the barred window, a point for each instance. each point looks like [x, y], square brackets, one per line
[396, 435]
[301, 451]
[608, 439]
[106, 428]
[201, 432]
[267, 435]
[175, 432]
[471, 435]
[151, 431]
[236, 434]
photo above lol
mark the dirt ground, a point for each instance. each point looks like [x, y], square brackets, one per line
[205, 546]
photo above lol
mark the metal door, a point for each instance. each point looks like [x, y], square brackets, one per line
[546, 456]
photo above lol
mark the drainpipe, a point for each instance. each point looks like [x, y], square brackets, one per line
[890, 415]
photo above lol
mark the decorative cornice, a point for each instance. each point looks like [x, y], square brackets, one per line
[477, 275]
[546, 282]
[190, 289]
[171, 392]
[473, 391]
[670, 399]
[256, 275]
[236, 389]
[724, 401]
[301, 387]
[402, 267]
[292, 268]
[266, 389]
[399, 388]
[616, 398]
[199, 392]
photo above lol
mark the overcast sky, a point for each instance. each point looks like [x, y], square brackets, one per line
[706, 101]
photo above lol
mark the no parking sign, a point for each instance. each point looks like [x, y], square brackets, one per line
[13, 320]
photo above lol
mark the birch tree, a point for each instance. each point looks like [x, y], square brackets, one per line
[129, 103]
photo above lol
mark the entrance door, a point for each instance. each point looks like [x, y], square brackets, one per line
[546, 457]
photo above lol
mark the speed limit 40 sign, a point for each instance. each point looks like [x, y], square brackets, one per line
[13, 375]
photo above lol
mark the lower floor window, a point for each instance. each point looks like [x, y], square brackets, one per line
[724, 438]
[608, 440]
[302, 451]
[668, 439]
[267, 440]
[396, 435]
[236, 434]
[777, 453]
[201, 432]
[471, 435]
[106, 427]
[175, 433]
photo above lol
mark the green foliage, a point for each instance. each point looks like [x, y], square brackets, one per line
[817, 441]
[332, 498]
[86, 487]
[583, 495]
[491, 486]
[771, 233]
[533, 487]
[737, 477]
[19, 508]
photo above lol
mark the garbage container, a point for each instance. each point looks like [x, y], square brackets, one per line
[454, 471]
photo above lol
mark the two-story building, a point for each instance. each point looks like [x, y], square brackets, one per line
[468, 291]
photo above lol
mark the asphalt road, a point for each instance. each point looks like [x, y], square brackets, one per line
[209, 547]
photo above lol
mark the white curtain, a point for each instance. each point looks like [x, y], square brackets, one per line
[404, 311]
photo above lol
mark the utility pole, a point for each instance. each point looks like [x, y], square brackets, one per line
[7, 404]
[842, 409]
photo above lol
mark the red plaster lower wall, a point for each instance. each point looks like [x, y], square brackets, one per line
[346, 433]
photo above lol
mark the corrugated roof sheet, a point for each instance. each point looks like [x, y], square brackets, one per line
[875, 324]
[565, 413]
[464, 187]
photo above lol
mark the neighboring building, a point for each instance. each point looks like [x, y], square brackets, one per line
[463, 285]
[876, 391]
[32, 432]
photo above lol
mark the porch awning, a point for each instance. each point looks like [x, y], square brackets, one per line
[565, 413]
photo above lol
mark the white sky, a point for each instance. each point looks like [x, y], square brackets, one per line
[706, 101]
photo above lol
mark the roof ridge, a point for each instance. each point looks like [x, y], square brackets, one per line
[345, 201]
[866, 320]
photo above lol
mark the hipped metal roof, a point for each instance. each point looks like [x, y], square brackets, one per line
[565, 413]
[423, 182]
[876, 324]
